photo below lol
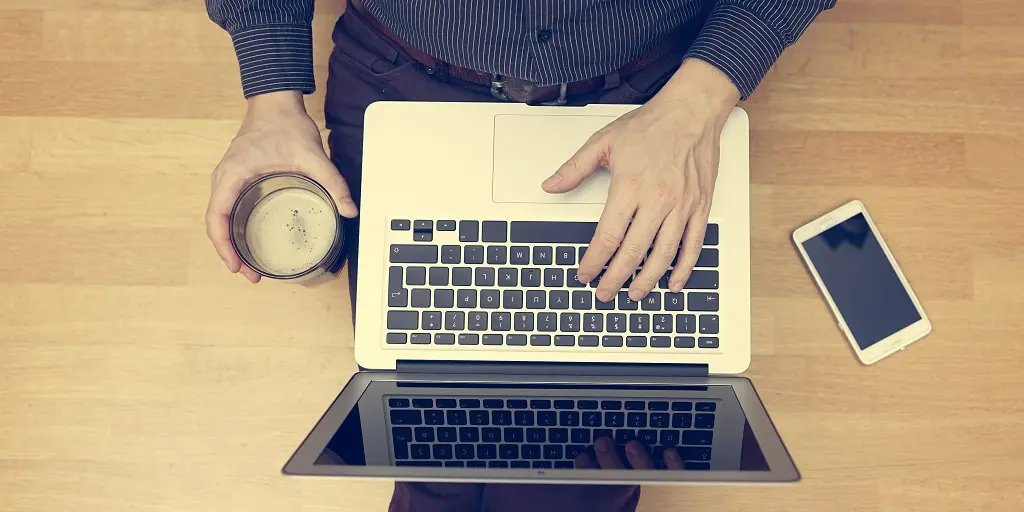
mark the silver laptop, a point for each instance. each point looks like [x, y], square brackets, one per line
[485, 360]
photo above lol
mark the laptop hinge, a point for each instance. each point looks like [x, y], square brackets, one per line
[531, 368]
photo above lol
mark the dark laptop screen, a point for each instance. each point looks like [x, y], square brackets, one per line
[696, 428]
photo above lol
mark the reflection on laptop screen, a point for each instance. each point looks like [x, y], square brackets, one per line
[543, 426]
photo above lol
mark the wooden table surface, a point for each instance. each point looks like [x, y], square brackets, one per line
[137, 374]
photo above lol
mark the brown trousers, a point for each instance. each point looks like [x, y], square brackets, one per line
[365, 67]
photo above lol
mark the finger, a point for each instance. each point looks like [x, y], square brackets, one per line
[666, 248]
[582, 164]
[637, 456]
[218, 212]
[327, 175]
[585, 461]
[672, 459]
[607, 457]
[693, 241]
[631, 253]
[609, 234]
[250, 274]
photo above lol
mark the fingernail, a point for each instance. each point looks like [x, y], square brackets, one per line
[602, 445]
[671, 455]
[583, 278]
[633, 448]
[350, 205]
[675, 287]
[552, 181]
[635, 295]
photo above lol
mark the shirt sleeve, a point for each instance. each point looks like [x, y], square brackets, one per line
[744, 38]
[273, 41]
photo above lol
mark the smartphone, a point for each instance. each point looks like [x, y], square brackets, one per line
[867, 291]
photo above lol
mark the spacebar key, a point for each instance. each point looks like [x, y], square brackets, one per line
[552, 232]
[410, 253]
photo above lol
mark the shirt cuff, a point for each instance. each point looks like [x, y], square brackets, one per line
[275, 58]
[740, 44]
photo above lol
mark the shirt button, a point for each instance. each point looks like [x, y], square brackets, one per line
[543, 35]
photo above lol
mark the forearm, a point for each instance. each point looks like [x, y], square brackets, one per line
[273, 42]
[744, 38]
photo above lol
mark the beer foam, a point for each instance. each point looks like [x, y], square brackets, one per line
[290, 231]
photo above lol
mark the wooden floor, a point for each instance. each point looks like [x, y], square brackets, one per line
[136, 374]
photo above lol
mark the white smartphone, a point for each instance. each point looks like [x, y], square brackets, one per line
[865, 288]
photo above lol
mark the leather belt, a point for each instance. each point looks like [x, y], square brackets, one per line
[510, 88]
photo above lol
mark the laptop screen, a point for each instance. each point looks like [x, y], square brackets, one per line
[557, 427]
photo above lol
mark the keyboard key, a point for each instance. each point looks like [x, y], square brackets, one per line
[433, 417]
[469, 231]
[563, 464]
[496, 255]
[573, 450]
[564, 340]
[636, 341]
[494, 403]
[530, 451]
[591, 419]
[420, 298]
[395, 338]
[423, 434]
[530, 277]
[419, 338]
[704, 420]
[456, 417]
[469, 339]
[444, 298]
[501, 321]
[674, 301]
[661, 341]
[540, 232]
[652, 302]
[400, 224]
[516, 340]
[669, 437]
[501, 418]
[686, 323]
[423, 236]
[419, 463]
[492, 339]
[423, 225]
[611, 341]
[403, 320]
[446, 403]
[710, 234]
[636, 419]
[454, 320]
[586, 404]
[519, 255]
[462, 276]
[490, 434]
[707, 342]
[580, 435]
[564, 404]
[614, 419]
[406, 417]
[572, 279]
[558, 299]
[694, 452]
[512, 299]
[657, 405]
[536, 435]
[508, 277]
[684, 342]
[524, 418]
[697, 466]
[626, 303]
[708, 258]
[582, 299]
[547, 322]
[616, 322]
[553, 452]
[593, 322]
[624, 435]
[444, 338]
[635, 405]
[519, 464]
[420, 451]
[490, 299]
[659, 420]
[401, 451]
[707, 406]
[565, 255]
[547, 418]
[451, 254]
[486, 451]
[558, 435]
[605, 433]
[682, 406]
[466, 298]
[484, 276]
[513, 434]
[639, 322]
[413, 253]
[589, 341]
[438, 276]
[542, 255]
[431, 320]
[542, 464]
[662, 323]
[703, 301]
[682, 420]
[523, 321]
[508, 451]
[647, 436]
[569, 418]
[708, 324]
[477, 321]
[469, 434]
[495, 231]
[535, 299]
[473, 254]
[554, 277]
[446, 435]
[540, 340]
[476, 464]
[416, 276]
[540, 404]
[398, 403]
[454, 464]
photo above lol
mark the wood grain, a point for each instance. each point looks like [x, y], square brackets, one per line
[137, 374]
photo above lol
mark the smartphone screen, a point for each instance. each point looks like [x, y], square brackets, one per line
[863, 284]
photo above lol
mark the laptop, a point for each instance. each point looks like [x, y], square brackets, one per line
[483, 358]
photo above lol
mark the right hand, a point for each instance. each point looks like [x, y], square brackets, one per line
[636, 454]
[276, 135]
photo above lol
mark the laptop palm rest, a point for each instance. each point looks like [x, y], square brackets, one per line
[551, 139]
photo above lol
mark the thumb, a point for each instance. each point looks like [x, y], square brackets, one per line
[328, 176]
[586, 160]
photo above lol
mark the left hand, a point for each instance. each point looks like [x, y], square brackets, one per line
[607, 457]
[663, 159]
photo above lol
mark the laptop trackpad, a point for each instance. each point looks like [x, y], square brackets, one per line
[529, 148]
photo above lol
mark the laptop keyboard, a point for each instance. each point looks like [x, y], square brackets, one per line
[496, 432]
[514, 283]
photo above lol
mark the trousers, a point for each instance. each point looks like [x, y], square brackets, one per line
[366, 67]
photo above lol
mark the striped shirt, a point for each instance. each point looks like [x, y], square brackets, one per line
[545, 41]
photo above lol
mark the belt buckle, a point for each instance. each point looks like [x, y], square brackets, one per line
[562, 89]
[498, 92]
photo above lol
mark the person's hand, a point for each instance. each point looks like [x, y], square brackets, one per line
[276, 135]
[608, 458]
[663, 159]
